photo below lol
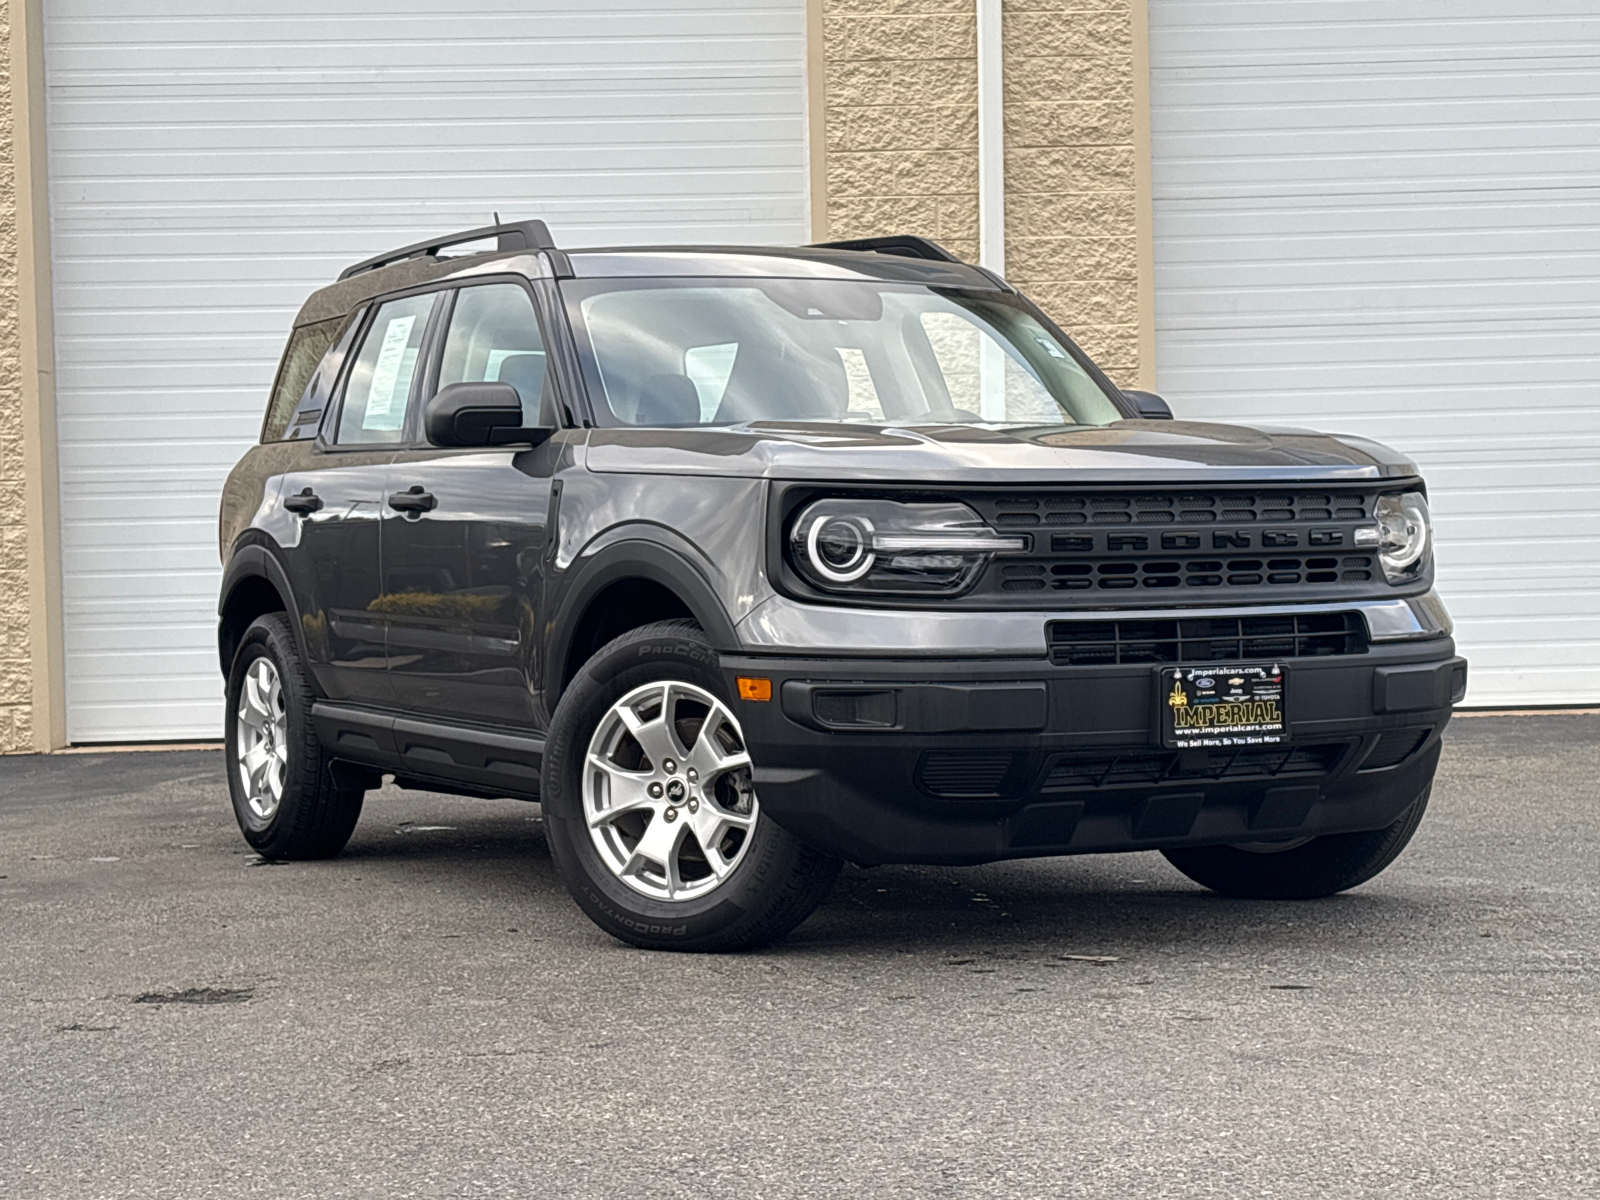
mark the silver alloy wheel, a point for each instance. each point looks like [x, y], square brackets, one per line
[262, 738]
[667, 791]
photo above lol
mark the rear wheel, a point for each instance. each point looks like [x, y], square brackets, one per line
[290, 798]
[651, 810]
[1299, 870]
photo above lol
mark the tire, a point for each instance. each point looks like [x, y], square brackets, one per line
[685, 860]
[1319, 867]
[296, 804]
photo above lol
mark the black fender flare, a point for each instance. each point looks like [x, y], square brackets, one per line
[636, 556]
[253, 560]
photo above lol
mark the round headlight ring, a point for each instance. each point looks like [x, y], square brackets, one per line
[840, 548]
[1404, 532]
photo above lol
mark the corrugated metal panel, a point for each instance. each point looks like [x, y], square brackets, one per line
[1380, 217]
[212, 164]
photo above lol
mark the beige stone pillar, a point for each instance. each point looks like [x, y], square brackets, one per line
[16, 659]
[32, 713]
[900, 149]
[901, 120]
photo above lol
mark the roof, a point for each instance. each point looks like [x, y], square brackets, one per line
[628, 262]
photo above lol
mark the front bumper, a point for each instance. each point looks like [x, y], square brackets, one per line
[963, 760]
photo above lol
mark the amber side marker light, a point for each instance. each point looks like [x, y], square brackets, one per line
[751, 688]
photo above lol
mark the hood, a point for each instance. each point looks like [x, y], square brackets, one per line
[1123, 452]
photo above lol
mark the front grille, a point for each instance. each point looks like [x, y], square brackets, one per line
[1178, 508]
[1141, 765]
[1205, 639]
[1126, 574]
[1089, 549]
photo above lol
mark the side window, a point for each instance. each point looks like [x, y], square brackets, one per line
[374, 409]
[494, 338]
[314, 401]
[307, 347]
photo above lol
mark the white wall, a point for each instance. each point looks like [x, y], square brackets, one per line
[211, 165]
[1383, 217]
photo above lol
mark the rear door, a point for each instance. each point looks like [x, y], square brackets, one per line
[464, 532]
[337, 496]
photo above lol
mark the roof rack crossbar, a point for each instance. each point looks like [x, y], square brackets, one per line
[519, 235]
[904, 245]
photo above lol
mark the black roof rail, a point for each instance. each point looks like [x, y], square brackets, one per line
[519, 235]
[904, 245]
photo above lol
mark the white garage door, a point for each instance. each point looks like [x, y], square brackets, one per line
[212, 164]
[1383, 217]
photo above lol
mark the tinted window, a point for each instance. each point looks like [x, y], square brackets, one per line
[494, 338]
[374, 409]
[307, 346]
[307, 419]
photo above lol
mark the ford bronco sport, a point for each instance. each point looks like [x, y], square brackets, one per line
[744, 562]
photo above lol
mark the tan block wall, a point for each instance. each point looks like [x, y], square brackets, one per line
[1070, 197]
[900, 125]
[901, 147]
[16, 669]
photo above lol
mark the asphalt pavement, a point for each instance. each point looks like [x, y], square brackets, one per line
[429, 1015]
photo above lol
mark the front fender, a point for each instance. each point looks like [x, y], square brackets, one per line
[641, 553]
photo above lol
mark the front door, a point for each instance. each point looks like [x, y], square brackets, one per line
[463, 535]
[337, 496]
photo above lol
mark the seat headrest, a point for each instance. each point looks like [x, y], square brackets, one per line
[667, 400]
[526, 373]
[778, 383]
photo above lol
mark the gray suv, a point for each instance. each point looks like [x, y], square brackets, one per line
[748, 561]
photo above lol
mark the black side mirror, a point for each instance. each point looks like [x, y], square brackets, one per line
[478, 414]
[1149, 406]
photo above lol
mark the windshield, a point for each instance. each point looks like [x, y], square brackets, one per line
[683, 352]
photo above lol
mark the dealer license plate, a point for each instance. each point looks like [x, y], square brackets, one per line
[1223, 705]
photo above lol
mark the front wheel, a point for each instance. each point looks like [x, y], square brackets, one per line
[1301, 870]
[651, 811]
[288, 796]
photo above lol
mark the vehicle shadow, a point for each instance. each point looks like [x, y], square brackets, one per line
[1114, 905]
[1087, 904]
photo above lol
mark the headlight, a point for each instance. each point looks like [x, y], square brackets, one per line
[1403, 534]
[888, 547]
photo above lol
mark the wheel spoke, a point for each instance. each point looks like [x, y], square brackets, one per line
[251, 718]
[255, 788]
[625, 792]
[707, 756]
[710, 824]
[274, 770]
[659, 846]
[655, 737]
[255, 757]
[258, 686]
[709, 834]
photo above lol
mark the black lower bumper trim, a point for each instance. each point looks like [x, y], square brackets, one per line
[1092, 776]
[835, 813]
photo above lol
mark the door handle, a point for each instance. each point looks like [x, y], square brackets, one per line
[413, 500]
[305, 503]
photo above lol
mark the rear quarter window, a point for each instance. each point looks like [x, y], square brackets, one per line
[307, 347]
